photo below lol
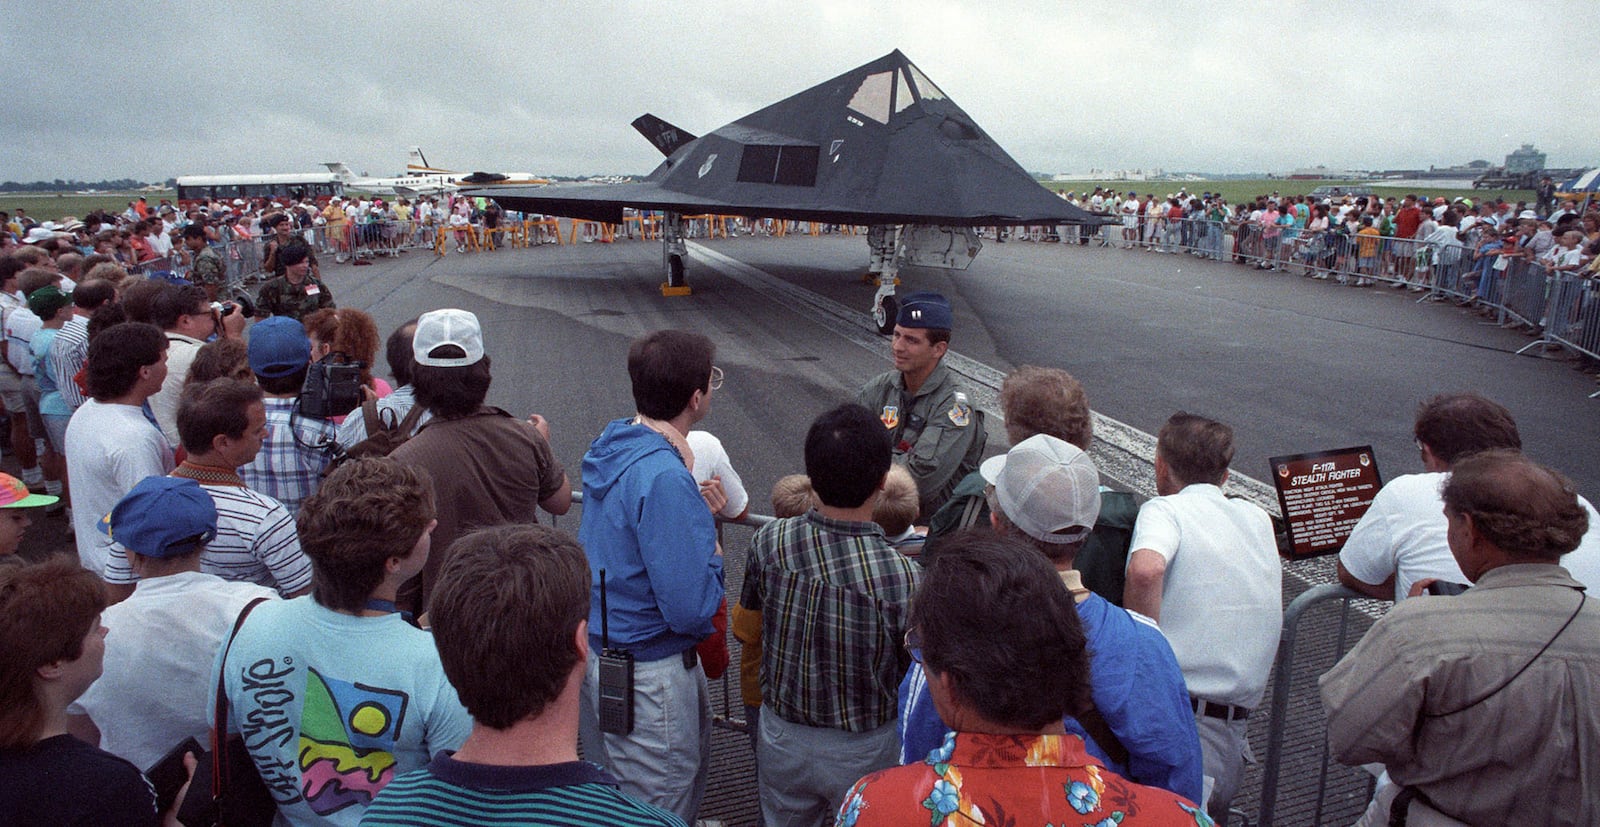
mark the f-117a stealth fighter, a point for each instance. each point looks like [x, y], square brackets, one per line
[879, 146]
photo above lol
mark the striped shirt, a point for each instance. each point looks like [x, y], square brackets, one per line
[455, 793]
[293, 456]
[67, 352]
[255, 543]
[834, 598]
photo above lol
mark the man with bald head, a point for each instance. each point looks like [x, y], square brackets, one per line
[1484, 706]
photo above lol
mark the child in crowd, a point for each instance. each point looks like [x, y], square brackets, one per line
[1367, 241]
[897, 510]
[791, 497]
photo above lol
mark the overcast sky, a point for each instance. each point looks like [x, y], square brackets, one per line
[156, 90]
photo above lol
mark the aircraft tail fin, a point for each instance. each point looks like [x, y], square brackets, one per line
[416, 162]
[662, 135]
[339, 169]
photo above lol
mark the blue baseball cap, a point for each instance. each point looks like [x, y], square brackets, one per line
[278, 347]
[162, 517]
[928, 310]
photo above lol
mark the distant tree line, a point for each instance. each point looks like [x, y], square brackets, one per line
[59, 185]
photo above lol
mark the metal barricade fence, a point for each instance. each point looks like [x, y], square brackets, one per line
[1523, 292]
[241, 260]
[1562, 308]
[1571, 313]
[1309, 724]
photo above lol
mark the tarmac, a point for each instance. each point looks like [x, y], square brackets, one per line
[1293, 365]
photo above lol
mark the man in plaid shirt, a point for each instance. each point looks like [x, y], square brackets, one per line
[296, 450]
[834, 598]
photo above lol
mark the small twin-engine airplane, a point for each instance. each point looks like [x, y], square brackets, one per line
[879, 146]
[421, 179]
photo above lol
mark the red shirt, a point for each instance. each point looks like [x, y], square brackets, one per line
[1011, 779]
[1406, 222]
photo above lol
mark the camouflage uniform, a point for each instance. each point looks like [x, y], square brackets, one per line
[280, 298]
[208, 268]
[938, 436]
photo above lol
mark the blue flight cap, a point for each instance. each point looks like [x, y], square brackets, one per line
[926, 309]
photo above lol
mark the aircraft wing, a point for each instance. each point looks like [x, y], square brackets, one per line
[880, 144]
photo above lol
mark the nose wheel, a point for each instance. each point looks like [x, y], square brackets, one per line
[673, 253]
[884, 312]
[883, 242]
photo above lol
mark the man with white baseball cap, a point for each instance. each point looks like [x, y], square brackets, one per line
[488, 467]
[1046, 491]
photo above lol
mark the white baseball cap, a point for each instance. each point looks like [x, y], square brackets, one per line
[1047, 487]
[447, 327]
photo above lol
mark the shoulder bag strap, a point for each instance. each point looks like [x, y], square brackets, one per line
[413, 416]
[369, 416]
[1095, 724]
[219, 720]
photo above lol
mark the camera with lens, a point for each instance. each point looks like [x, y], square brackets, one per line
[228, 308]
[332, 388]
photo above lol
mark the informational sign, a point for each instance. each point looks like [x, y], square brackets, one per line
[1323, 496]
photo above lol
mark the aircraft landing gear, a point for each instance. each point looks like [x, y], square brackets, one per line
[884, 241]
[674, 255]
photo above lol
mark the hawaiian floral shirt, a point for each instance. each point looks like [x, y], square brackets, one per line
[997, 779]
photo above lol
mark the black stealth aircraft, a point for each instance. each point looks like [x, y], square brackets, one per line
[879, 145]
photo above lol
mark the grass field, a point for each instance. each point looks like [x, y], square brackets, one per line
[52, 207]
[1243, 190]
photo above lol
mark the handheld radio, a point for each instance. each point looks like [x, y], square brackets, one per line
[616, 677]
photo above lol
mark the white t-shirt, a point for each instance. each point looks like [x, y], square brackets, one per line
[1404, 533]
[1222, 599]
[710, 460]
[161, 243]
[181, 351]
[20, 325]
[109, 449]
[161, 643]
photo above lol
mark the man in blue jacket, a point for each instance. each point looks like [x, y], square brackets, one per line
[647, 529]
[1046, 491]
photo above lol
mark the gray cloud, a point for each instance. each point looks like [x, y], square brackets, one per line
[160, 90]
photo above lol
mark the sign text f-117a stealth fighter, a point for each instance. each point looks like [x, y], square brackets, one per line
[879, 146]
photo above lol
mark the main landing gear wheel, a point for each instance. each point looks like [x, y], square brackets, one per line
[884, 314]
[675, 271]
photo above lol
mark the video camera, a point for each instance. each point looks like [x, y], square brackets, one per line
[332, 388]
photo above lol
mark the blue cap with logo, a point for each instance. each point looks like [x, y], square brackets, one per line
[926, 309]
[162, 517]
[278, 347]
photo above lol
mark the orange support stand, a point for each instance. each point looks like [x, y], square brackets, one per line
[608, 232]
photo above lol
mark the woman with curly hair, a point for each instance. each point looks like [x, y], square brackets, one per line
[351, 333]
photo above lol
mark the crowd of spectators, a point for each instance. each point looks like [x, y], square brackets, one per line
[394, 638]
[1413, 242]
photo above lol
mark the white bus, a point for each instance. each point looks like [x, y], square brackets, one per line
[316, 186]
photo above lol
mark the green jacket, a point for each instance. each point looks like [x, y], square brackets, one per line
[937, 434]
[208, 267]
[1102, 561]
[280, 298]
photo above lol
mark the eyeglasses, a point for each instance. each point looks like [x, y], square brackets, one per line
[913, 644]
[716, 378]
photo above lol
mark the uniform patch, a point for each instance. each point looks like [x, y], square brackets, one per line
[890, 416]
[960, 414]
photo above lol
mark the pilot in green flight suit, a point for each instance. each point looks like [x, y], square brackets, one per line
[937, 434]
